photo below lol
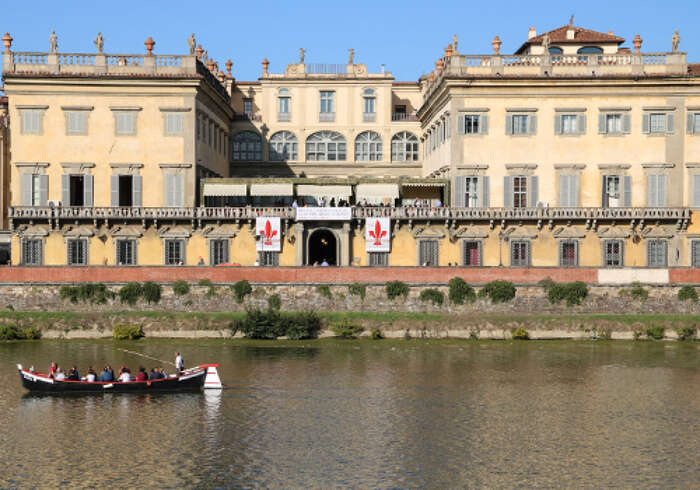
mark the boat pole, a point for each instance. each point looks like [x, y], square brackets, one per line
[147, 357]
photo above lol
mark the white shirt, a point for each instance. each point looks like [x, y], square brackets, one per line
[125, 377]
[179, 364]
[90, 378]
[60, 376]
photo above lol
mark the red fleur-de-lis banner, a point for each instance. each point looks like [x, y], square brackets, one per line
[377, 234]
[268, 235]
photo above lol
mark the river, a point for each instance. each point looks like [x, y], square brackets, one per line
[390, 413]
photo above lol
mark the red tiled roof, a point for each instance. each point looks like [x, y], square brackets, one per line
[405, 83]
[558, 36]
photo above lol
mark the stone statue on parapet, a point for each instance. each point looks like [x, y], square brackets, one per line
[675, 41]
[192, 44]
[454, 44]
[53, 42]
[546, 41]
[351, 56]
[205, 56]
[302, 55]
[99, 43]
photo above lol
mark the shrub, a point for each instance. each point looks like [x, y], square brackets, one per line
[241, 289]
[407, 335]
[302, 325]
[92, 292]
[433, 295]
[270, 324]
[635, 292]
[123, 331]
[31, 333]
[547, 283]
[181, 288]
[14, 332]
[686, 333]
[474, 335]
[376, 334]
[130, 293]
[68, 293]
[655, 332]
[345, 329]
[519, 334]
[573, 292]
[324, 291]
[151, 292]
[498, 291]
[205, 283]
[687, 293]
[357, 289]
[605, 334]
[274, 302]
[394, 289]
[460, 292]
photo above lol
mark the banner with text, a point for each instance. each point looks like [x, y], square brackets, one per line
[312, 213]
[377, 234]
[268, 235]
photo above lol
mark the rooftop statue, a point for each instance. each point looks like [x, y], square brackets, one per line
[351, 56]
[99, 43]
[53, 42]
[454, 44]
[302, 54]
[546, 41]
[675, 41]
[191, 43]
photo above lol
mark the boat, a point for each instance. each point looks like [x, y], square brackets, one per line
[192, 379]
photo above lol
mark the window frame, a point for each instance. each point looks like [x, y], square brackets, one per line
[517, 130]
[528, 253]
[695, 257]
[663, 254]
[479, 249]
[36, 118]
[378, 259]
[400, 146]
[279, 147]
[320, 147]
[182, 245]
[130, 115]
[420, 245]
[620, 253]
[521, 193]
[240, 143]
[82, 243]
[173, 123]
[219, 251]
[369, 103]
[326, 110]
[269, 258]
[131, 243]
[369, 147]
[562, 260]
[39, 251]
[76, 122]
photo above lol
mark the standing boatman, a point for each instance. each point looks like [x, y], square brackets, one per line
[179, 363]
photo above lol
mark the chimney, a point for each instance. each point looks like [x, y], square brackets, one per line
[610, 33]
[570, 33]
[531, 33]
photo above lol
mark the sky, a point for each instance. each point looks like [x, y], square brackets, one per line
[407, 36]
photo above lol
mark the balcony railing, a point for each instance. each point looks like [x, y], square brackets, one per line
[284, 116]
[247, 117]
[326, 116]
[369, 116]
[402, 116]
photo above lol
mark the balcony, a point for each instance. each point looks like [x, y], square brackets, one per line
[402, 116]
[369, 116]
[326, 116]
[284, 116]
[247, 117]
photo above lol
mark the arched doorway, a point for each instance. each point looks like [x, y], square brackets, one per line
[322, 246]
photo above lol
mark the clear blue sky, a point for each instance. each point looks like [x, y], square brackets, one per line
[408, 36]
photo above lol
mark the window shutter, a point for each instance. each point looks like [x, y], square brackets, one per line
[601, 124]
[168, 189]
[460, 124]
[212, 252]
[43, 190]
[136, 193]
[509, 124]
[661, 190]
[604, 193]
[533, 194]
[532, 124]
[696, 191]
[507, 191]
[575, 191]
[564, 190]
[27, 181]
[65, 189]
[179, 190]
[581, 123]
[645, 122]
[670, 123]
[650, 253]
[626, 123]
[689, 123]
[485, 192]
[87, 190]
[652, 195]
[557, 124]
[627, 201]
[459, 191]
[114, 190]
[484, 124]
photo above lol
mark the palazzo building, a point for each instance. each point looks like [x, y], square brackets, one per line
[574, 151]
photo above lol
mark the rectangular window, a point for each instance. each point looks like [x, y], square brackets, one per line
[269, 259]
[696, 124]
[613, 123]
[657, 253]
[31, 121]
[568, 253]
[656, 190]
[520, 192]
[327, 102]
[76, 122]
[173, 123]
[471, 192]
[174, 252]
[657, 123]
[126, 252]
[77, 251]
[472, 253]
[368, 110]
[36, 190]
[695, 253]
[126, 123]
[519, 253]
[569, 124]
[612, 197]
[77, 190]
[612, 253]
[428, 253]
[32, 252]
[283, 111]
[568, 190]
[248, 107]
[378, 259]
[520, 124]
[218, 252]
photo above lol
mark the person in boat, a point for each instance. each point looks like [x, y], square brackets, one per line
[59, 375]
[162, 372]
[124, 374]
[179, 363]
[141, 375]
[107, 374]
[73, 374]
[52, 369]
[91, 375]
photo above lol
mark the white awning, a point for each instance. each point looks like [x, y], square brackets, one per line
[423, 184]
[224, 189]
[339, 191]
[382, 191]
[271, 190]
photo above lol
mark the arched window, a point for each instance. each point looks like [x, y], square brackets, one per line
[368, 147]
[326, 145]
[404, 147]
[284, 146]
[247, 146]
[556, 50]
[590, 50]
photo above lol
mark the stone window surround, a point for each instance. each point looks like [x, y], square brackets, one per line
[519, 239]
[165, 110]
[209, 243]
[83, 238]
[420, 239]
[693, 109]
[571, 111]
[693, 169]
[42, 239]
[34, 168]
[126, 109]
[521, 169]
[42, 111]
[463, 244]
[530, 112]
[568, 169]
[125, 238]
[658, 109]
[646, 251]
[126, 168]
[691, 238]
[577, 243]
[67, 109]
[180, 238]
[76, 168]
[603, 243]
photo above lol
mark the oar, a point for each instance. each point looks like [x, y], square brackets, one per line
[148, 357]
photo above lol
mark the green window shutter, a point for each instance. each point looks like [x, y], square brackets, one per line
[670, 123]
[485, 196]
[27, 181]
[582, 123]
[533, 194]
[114, 190]
[87, 190]
[459, 191]
[65, 189]
[532, 124]
[460, 124]
[601, 124]
[43, 190]
[627, 200]
[509, 124]
[136, 190]
[626, 123]
[557, 124]
[646, 117]
[507, 191]
[484, 124]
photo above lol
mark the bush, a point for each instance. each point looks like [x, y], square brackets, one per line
[241, 289]
[498, 291]
[460, 292]
[92, 292]
[205, 283]
[433, 295]
[655, 332]
[302, 325]
[270, 324]
[394, 289]
[547, 283]
[151, 292]
[376, 334]
[324, 291]
[573, 292]
[14, 332]
[687, 293]
[345, 329]
[31, 333]
[519, 334]
[181, 288]
[686, 333]
[357, 289]
[274, 302]
[122, 331]
[635, 292]
[130, 293]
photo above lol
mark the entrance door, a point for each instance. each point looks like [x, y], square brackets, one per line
[322, 247]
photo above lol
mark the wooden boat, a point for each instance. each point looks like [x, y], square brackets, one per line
[192, 379]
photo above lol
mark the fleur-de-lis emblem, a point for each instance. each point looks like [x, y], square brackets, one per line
[268, 233]
[377, 233]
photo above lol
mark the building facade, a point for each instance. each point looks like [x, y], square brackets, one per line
[574, 151]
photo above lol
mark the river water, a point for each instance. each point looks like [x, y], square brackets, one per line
[390, 413]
